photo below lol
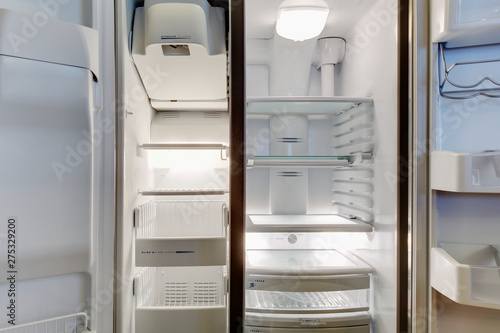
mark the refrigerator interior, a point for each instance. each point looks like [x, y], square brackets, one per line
[464, 264]
[57, 140]
[321, 178]
[173, 138]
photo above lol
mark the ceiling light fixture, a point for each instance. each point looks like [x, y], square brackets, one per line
[301, 23]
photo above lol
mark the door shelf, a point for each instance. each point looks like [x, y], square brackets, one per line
[466, 172]
[305, 223]
[461, 23]
[348, 322]
[305, 105]
[468, 274]
[306, 302]
[185, 299]
[74, 323]
[303, 263]
[181, 233]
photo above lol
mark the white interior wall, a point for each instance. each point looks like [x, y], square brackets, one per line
[370, 70]
[135, 115]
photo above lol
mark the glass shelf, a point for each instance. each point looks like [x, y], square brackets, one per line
[305, 223]
[302, 105]
[298, 161]
[304, 263]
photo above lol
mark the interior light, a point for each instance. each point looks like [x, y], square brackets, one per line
[301, 23]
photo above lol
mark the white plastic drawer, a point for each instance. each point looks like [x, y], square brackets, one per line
[181, 233]
[185, 299]
[349, 322]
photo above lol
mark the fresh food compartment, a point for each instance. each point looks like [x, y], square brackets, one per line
[181, 299]
[468, 274]
[181, 233]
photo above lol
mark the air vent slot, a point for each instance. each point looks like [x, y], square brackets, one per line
[170, 114]
[290, 140]
[213, 115]
[290, 174]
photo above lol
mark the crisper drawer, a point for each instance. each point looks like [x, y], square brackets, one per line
[352, 322]
[181, 233]
[181, 299]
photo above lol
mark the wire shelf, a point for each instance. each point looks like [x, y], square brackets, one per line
[74, 323]
[485, 86]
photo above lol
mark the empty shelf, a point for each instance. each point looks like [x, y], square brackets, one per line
[468, 274]
[306, 302]
[306, 105]
[303, 262]
[74, 323]
[304, 223]
[298, 161]
[187, 191]
[184, 146]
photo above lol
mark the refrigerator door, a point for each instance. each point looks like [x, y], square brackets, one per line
[51, 140]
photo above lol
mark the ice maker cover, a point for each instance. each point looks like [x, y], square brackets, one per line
[179, 50]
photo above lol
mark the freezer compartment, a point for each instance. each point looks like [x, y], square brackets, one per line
[181, 233]
[348, 322]
[303, 263]
[466, 172]
[74, 323]
[185, 299]
[465, 22]
[468, 274]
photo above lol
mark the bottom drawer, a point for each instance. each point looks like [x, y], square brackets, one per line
[346, 322]
[353, 329]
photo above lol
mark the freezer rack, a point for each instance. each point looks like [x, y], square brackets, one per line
[181, 233]
[466, 91]
[73, 323]
[181, 299]
[307, 302]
